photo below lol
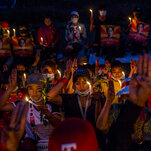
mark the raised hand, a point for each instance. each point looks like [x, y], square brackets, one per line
[68, 69]
[74, 65]
[111, 91]
[13, 79]
[140, 85]
[13, 135]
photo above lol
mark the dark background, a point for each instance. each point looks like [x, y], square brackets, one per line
[32, 12]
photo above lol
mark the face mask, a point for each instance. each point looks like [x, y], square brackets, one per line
[48, 76]
[86, 93]
[37, 100]
[103, 13]
[74, 20]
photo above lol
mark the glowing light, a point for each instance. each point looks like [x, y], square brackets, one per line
[8, 32]
[130, 19]
[123, 73]
[27, 100]
[91, 11]
[89, 84]
[59, 72]
[14, 30]
[120, 83]
[42, 40]
[84, 63]
[80, 28]
[25, 76]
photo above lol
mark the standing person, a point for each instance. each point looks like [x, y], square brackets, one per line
[48, 38]
[95, 25]
[75, 35]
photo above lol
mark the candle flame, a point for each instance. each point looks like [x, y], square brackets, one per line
[91, 10]
[59, 72]
[79, 27]
[120, 83]
[130, 19]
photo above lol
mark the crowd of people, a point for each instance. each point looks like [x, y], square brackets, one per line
[53, 104]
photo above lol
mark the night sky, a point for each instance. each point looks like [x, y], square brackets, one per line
[32, 11]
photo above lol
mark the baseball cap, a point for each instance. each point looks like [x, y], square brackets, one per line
[73, 134]
[35, 78]
[74, 13]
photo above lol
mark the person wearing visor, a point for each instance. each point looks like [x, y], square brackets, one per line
[75, 35]
[79, 104]
[42, 116]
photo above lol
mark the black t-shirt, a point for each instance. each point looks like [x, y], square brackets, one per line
[98, 24]
[72, 109]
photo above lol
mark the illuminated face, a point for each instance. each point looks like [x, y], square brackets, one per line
[107, 64]
[34, 91]
[47, 69]
[117, 72]
[22, 43]
[47, 22]
[140, 28]
[21, 68]
[110, 32]
[81, 84]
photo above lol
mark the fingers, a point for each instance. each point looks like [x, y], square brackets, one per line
[145, 64]
[139, 64]
[149, 67]
[18, 114]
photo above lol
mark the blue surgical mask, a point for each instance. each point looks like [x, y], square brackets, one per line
[48, 76]
[74, 20]
[103, 13]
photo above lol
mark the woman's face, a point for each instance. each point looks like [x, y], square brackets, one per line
[47, 69]
[140, 28]
[47, 22]
[81, 84]
[35, 91]
[117, 72]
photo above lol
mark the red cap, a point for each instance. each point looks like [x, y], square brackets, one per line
[4, 24]
[73, 134]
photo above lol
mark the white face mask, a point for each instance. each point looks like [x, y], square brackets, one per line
[37, 100]
[103, 13]
[48, 76]
[74, 20]
[85, 93]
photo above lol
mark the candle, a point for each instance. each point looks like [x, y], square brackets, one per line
[8, 32]
[91, 11]
[80, 28]
[59, 73]
[27, 100]
[25, 76]
[123, 73]
[120, 83]
[14, 32]
[130, 19]
[89, 84]
[42, 40]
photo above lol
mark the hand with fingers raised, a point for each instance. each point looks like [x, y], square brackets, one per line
[14, 133]
[140, 85]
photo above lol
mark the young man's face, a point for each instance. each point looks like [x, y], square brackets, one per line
[107, 64]
[81, 84]
[34, 91]
[47, 22]
[117, 72]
